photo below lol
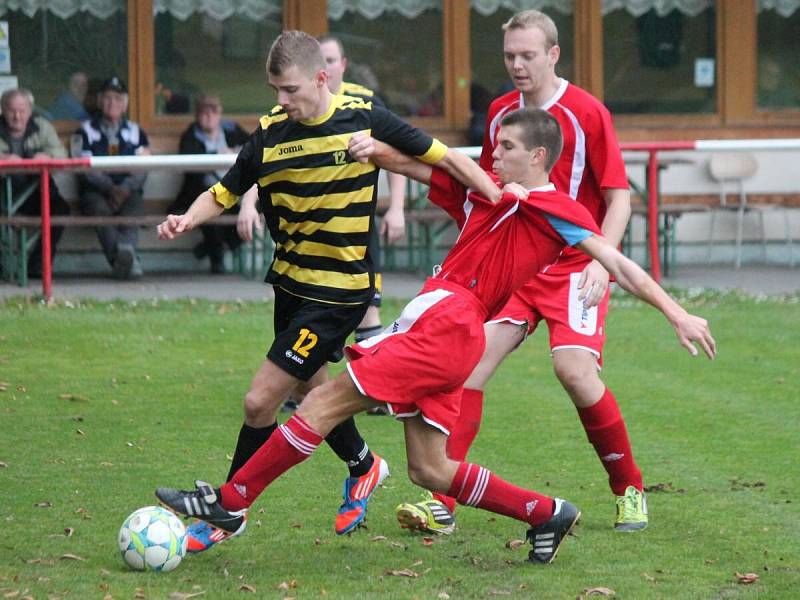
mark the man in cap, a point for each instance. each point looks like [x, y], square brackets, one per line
[114, 193]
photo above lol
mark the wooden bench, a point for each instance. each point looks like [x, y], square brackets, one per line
[16, 241]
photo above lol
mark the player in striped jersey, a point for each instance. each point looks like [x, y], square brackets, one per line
[319, 207]
[393, 222]
[411, 366]
[591, 171]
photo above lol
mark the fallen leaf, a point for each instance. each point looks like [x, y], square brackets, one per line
[416, 563]
[648, 577]
[185, 595]
[297, 525]
[283, 585]
[41, 561]
[398, 545]
[43, 504]
[245, 587]
[443, 596]
[80, 432]
[427, 541]
[3, 465]
[318, 542]
[378, 538]
[599, 591]
[71, 557]
[140, 595]
[73, 398]
[514, 544]
[11, 594]
[22, 388]
[105, 463]
[401, 573]
[105, 572]
[4, 385]
[746, 578]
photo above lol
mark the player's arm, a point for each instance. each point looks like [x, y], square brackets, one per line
[364, 147]
[594, 278]
[689, 328]
[394, 221]
[205, 207]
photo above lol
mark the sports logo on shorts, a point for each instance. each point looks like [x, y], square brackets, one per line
[581, 319]
[292, 356]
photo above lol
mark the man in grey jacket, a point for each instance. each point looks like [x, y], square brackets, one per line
[25, 135]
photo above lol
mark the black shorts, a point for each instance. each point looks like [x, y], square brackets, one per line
[375, 248]
[309, 333]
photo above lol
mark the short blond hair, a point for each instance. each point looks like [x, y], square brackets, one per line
[534, 18]
[297, 48]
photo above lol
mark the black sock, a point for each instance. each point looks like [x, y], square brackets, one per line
[363, 333]
[348, 445]
[250, 440]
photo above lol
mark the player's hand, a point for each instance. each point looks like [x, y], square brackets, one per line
[515, 188]
[592, 284]
[174, 226]
[692, 330]
[393, 227]
[248, 220]
[361, 146]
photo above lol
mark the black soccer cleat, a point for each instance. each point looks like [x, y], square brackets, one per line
[203, 504]
[547, 537]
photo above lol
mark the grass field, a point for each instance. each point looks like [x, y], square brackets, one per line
[101, 403]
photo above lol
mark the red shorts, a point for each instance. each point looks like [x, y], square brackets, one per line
[554, 298]
[419, 364]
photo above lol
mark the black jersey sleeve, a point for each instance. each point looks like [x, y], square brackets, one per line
[391, 129]
[244, 172]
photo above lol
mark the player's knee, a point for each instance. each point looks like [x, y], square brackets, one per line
[426, 476]
[255, 406]
[575, 378]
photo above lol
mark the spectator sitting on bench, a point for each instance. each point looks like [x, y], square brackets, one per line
[209, 134]
[112, 194]
[25, 135]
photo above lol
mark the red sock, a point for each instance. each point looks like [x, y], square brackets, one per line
[463, 434]
[475, 486]
[606, 431]
[291, 444]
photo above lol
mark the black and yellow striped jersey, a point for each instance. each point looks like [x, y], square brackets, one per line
[318, 202]
[359, 91]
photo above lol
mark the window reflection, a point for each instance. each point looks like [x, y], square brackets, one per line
[396, 55]
[660, 63]
[202, 53]
[778, 68]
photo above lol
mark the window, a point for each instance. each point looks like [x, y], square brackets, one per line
[48, 47]
[661, 62]
[394, 49]
[222, 53]
[778, 49]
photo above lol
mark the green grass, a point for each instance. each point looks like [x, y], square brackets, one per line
[102, 402]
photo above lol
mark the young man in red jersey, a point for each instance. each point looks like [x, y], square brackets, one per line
[591, 171]
[411, 368]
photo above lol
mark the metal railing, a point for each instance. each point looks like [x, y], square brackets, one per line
[212, 162]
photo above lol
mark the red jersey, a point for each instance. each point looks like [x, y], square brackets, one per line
[590, 162]
[502, 246]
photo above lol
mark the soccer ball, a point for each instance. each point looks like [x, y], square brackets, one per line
[152, 538]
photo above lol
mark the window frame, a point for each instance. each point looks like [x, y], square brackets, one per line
[737, 115]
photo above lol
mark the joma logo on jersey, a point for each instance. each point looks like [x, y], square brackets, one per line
[290, 149]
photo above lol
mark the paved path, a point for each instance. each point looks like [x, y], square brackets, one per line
[758, 280]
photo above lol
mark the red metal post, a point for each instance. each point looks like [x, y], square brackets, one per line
[652, 214]
[47, 279]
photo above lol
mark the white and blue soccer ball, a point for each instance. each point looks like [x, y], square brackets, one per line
[152, 539]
